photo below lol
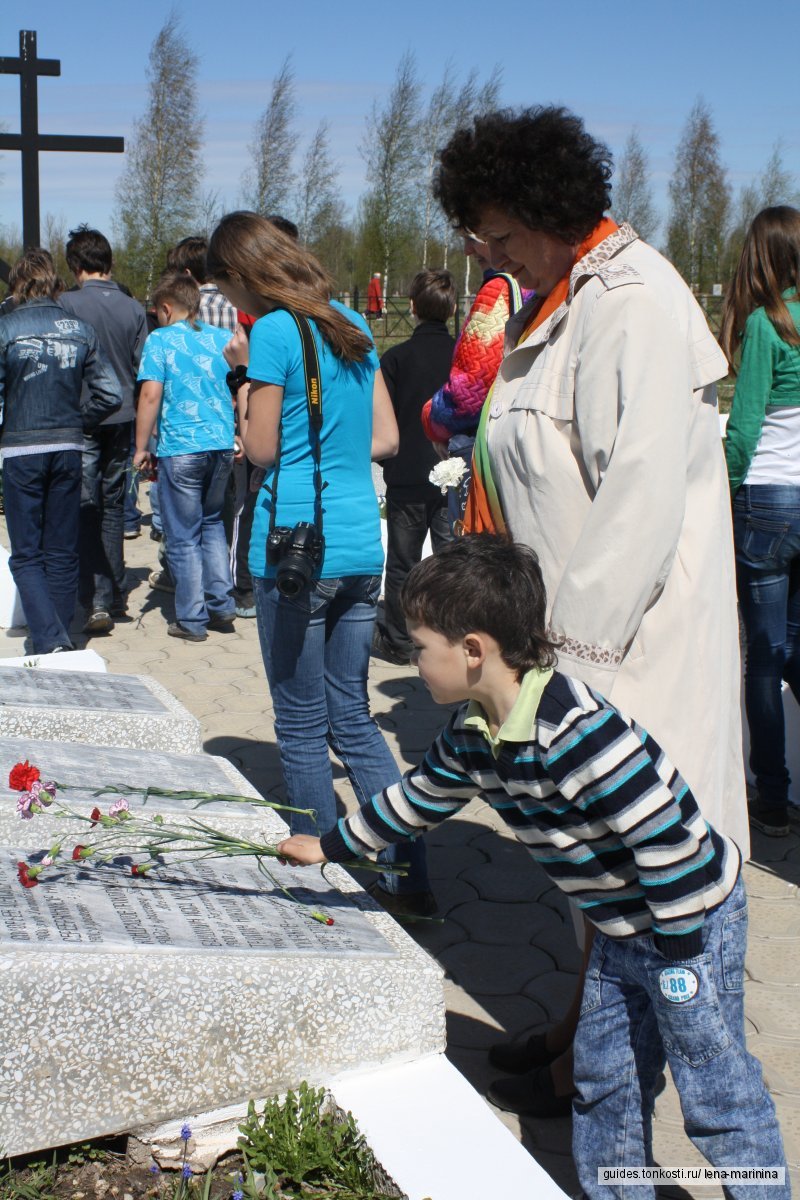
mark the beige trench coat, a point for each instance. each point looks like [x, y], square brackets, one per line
[604, 441]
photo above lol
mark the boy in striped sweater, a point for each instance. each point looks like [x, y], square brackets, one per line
[609, 818]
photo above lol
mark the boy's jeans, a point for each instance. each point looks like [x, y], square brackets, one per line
[316, 650]
[627, 1031]
[191, 489]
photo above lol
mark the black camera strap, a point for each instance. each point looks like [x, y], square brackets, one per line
[313, 378]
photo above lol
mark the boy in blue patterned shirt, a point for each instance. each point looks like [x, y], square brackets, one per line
[185, 391]
[607, 816]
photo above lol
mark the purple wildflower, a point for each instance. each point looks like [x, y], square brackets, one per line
[238, 1196]
[186, 1132]
[186, 1171]
[155, 1169]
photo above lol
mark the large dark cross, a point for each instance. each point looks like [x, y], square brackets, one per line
[29, 141]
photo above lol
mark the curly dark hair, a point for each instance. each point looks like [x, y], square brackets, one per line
[538, 165]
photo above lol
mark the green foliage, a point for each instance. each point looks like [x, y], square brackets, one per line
[304, 1149]
[35, 1183]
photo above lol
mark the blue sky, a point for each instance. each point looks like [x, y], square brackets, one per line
[629, 64]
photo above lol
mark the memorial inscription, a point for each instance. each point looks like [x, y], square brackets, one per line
[21, 687]
[115, 710]
[215, 908]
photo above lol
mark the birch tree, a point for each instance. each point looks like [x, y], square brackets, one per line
[449, 106]
[390, 151]
[268, 182]
[632, 196]
[699, 202]
[319, 200]
[158, 189]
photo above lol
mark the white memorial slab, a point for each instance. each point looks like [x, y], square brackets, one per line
[121, 710]
[129, 1001]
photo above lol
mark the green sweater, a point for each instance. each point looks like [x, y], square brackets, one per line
[769, 375]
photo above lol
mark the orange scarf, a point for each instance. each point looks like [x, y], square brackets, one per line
[484, 511]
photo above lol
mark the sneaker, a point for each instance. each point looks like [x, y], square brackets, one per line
[177, 631]
[410, 906]
[161, 580]
[382, 648]
[99, 621]
[221, 624]
[770, 820]
[62, 649]
[523, 1055]
[247, 614]
[530, 1096]
[130, 534]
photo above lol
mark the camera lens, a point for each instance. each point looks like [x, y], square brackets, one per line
[294, 573]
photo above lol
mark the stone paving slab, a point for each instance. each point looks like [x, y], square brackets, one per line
[496, 891]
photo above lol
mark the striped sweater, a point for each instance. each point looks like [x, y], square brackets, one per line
[595, 800]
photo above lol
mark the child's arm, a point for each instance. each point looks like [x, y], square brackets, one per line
[302, 850]
[147, 412]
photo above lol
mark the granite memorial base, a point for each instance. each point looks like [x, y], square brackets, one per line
[130, 1001]
[108, 710]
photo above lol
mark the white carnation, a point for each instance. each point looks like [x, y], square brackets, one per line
[448, 473]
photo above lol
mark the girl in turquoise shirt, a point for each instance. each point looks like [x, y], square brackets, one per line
[315, 642]
[761, 318]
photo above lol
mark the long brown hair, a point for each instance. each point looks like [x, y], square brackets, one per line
[34, 276]
[249, 250]
[770, 264]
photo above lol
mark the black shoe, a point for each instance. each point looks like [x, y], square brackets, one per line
[156, 535]
[119, 607]
[161, 580]
[411, 906]
[772, 820]
[530, 1096]
[521, 1056]
[382, 648]
[221, 624]
[177, 631]
[99, 622]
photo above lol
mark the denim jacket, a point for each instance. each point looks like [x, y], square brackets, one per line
[45, 354]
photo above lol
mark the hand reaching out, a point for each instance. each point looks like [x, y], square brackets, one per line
[301, 850]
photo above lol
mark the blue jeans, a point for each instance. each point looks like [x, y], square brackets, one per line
[629, 1029]
[105, 472]
[42, 499]
[316, 650]
[766, 531]
[191, 490]
[133, 517]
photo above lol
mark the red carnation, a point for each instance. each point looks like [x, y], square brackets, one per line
[22, 776]
[23, 870]
[77, 853]
[96, 815]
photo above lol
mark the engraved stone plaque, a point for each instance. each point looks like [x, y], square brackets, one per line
[122, 710]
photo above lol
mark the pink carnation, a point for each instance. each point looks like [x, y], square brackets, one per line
[25, 803]
[118, 807]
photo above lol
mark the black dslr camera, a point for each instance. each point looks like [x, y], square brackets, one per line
[296, 553]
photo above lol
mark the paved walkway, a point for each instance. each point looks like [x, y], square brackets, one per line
[506, 940]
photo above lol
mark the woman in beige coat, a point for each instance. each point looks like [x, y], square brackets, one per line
[601, 450]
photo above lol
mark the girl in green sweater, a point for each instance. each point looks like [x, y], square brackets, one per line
[761, 317]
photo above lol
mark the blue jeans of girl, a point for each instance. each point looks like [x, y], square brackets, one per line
[316, 648]
[641, 1010]
[766, 531]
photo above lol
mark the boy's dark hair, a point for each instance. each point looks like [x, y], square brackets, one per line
[175, 287]
[434, 295]
[88, 250]
[285, 225]
[189, 255]
[484, 583]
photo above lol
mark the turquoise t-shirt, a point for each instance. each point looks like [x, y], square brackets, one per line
[196, 406]
[350, 518]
